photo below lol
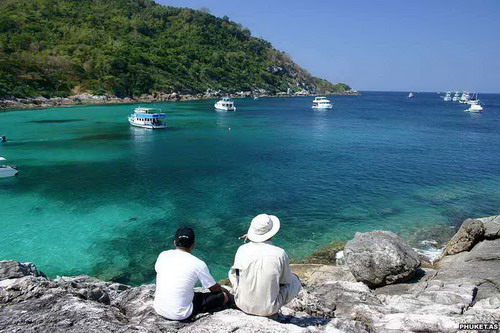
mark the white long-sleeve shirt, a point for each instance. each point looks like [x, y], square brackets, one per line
[262, 279]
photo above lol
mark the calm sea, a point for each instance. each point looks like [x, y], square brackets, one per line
[95, 196]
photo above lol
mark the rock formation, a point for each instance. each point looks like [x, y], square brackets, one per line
[461, 288]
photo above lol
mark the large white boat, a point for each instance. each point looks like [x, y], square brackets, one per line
[322, 103]
[447, 98]
[225, 104]
[474, 108]
[151, 118]
[456, 97]
[7, 170]
[411, 95]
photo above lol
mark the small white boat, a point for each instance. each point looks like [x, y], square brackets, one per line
[465, 97]
[7, 170]
[322, 103]
[411, 95]
[456, 97]
[150, 118]
[225, 104]
[474, 108]
[475, 105]
[447, 98]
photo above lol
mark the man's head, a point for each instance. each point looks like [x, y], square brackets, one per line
[184, 238]
[263, 227]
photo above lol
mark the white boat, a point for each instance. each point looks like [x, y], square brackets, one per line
[7, 170]
[456, 97]
[475, 105]
[322, 103]
[411, 95]
[447, 98]
[225, 104]
[465, 97]
[474, 108]
[151, 118]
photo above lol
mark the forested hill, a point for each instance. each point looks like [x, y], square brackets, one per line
[129, 47]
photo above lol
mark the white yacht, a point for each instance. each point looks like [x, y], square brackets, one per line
[465, 97]
[322, 103]
[147, 118]
[411, 95]
[475, 105]
[447, 98]
[456, 97]
[7, 170]
[225, 104]
[474, 108]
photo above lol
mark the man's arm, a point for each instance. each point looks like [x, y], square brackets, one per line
[286, 272]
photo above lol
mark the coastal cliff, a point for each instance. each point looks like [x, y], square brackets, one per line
[406, 293]
[128, 48]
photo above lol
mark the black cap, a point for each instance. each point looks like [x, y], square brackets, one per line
[184, 237]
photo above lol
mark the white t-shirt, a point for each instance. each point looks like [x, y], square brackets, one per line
[176, 275]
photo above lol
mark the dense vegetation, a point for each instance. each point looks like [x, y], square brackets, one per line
[129, 47]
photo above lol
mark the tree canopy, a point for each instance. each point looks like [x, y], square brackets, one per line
[130, 47]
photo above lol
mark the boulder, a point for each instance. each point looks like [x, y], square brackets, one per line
[491, 226]
[469, 234]
[378, 258]
[10, 269]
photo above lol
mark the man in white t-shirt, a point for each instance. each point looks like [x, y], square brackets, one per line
[177, 272]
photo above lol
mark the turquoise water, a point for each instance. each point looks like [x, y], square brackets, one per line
[95, 196]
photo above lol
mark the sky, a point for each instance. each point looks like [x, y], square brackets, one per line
[384, 45]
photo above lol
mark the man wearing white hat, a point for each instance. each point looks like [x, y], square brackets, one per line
[261, 275]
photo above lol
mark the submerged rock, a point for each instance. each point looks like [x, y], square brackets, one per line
[378, 258]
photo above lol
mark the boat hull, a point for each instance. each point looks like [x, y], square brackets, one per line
[219, 108]
[8, 171]
[147, 126]
[326, 107]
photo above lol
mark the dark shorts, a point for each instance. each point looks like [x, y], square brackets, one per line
[207, 302]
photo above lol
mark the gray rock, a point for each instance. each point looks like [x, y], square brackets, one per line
[378, 258]
[10, 269]
[491, 226]
[469, 234]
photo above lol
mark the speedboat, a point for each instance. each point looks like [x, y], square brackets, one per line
[411, 95]
[474, 108]
[7, 170]
[447, 98]
[225, 104]
[456, 97]
[147, 118]
[322, 103]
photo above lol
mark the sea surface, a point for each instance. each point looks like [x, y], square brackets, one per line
[96, 196]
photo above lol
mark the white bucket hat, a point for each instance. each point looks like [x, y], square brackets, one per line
[263, 227]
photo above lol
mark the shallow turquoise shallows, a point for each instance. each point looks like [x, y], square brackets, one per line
[96, 196]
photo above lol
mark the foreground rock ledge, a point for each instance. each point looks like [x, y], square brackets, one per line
[462, 288]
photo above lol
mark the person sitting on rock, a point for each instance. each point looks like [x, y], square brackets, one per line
[177, 272]
[261, 277]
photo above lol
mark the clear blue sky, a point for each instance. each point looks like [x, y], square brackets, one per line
[423, 45]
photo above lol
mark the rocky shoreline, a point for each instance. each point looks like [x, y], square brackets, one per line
[9, 103]
[384, 286]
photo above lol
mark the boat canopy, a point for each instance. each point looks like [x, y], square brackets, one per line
[2, 158]
[227, 99]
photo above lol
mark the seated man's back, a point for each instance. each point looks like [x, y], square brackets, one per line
[261, 275]
[177, 273]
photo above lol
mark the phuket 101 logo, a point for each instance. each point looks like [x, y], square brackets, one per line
[478, 326]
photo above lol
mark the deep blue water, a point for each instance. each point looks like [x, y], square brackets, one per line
[95, 196]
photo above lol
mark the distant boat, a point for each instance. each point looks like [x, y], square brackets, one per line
[7, 170]
[447, 98]
[322, 103]
[456, 97]
[225, 104]
[150, 118]
[464, 98]
[475, 105]
[411, 95]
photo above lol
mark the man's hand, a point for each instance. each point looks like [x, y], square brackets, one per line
[217, 288]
